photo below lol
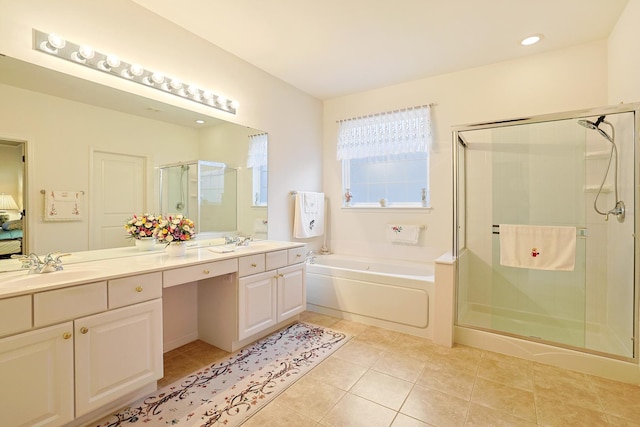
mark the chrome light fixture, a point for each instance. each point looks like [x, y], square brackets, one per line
[55, 45]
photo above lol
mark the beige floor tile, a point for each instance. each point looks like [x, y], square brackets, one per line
[621, 422]
[338, 373]
[378, 337]
[310, 397]
[517, 402]
[556, 413]
[318, 319]
[176, 367]
[277, 415]
[399, 366]
[447, 379]
[480, 416]
[435, 407]
[354, 411]
[403, 420]
[359, 353]
[507, 370]
[618, 399]
[462, 358]
[349, 327]
[412, 346]
[382, 389]
[569, 387]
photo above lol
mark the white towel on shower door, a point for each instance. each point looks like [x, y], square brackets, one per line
[308, 220]
[538, 247]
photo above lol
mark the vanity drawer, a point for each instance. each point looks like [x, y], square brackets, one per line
[134, 289]
[69, 303]
[297, 255]
[179, 276]
[15, 315]
[251, 264]
[276, 259]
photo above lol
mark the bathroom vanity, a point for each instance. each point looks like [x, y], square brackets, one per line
[78, 343]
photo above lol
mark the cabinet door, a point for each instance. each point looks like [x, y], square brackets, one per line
[117, 352]
[36, 377]
[256, 303]
[292, 292]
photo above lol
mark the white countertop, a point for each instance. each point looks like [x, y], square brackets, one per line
[92, 266]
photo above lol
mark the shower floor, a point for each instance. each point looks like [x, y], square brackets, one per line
[554, 330]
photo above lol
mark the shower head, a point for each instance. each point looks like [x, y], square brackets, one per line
[591, 125]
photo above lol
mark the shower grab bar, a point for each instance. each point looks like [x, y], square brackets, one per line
[580, 231]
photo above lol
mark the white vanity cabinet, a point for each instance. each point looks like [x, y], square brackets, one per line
[266, 298]
[36, 374]
[91, 348]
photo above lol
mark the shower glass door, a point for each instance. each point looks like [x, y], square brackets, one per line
[548, 173]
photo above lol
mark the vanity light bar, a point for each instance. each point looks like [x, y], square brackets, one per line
[53, 44]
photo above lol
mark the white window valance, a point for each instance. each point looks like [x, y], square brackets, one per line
[257, 155]
[396, 132]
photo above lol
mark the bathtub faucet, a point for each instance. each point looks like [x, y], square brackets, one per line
[310, 258]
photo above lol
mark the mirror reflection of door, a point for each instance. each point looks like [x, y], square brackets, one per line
[12, 196]
[118, 191]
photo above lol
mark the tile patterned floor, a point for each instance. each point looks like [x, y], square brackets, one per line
[385, 378]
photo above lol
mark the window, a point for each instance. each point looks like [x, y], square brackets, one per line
[257, 161]
[385, 159]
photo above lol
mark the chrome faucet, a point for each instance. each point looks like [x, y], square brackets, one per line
[50, 262]
[310, 257]
[238, 240]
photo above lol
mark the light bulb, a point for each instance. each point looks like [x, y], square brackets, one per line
[193, 90]
[112, 61]
[175, 84]
[207, 94]
[83, 53]
[136, 70]
[53, 43]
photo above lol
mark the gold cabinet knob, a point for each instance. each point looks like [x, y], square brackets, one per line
[254, 264]
[138, 288]
[67, 335]
[298, 255]
[84, 330]
[280, 275]
[205, 271]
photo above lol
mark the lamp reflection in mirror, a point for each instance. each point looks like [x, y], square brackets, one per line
[7, 202]
[55, 45]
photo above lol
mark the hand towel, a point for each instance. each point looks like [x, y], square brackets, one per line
[63, 205]
[538, 247]
[308, 220]
[403, 233]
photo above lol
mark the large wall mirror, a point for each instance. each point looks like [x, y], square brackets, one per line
[80, 134]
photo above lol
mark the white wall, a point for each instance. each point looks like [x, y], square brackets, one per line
[292, 118]
[623, 59]
[543, 83]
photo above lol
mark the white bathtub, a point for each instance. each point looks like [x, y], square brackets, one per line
[389, 294]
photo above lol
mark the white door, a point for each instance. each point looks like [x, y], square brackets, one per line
[292, 298]
[256, 303]
[118, 191]
[117, 352]
[36, 373]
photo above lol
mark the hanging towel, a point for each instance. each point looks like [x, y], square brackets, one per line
[63, 205]
[403, 233]
[308, 220]
[538, 247]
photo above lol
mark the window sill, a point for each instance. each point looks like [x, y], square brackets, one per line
[386, 208]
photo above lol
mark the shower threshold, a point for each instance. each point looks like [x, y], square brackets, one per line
[569, 333]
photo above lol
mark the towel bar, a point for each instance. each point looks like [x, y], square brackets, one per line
[580, 231]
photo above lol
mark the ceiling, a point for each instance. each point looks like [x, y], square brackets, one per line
[332, 48]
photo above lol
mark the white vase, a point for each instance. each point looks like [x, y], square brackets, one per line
[146, 243]
[177, 249]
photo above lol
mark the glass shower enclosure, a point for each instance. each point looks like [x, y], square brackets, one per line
[575, 169]
[203, 191]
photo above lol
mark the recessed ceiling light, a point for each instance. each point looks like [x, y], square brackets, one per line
[531, 40]
[200, 121]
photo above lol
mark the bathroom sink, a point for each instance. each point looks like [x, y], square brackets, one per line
[22, 279]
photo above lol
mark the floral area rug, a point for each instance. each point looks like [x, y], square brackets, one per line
[231, 390]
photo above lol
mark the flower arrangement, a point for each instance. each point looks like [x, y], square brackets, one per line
[175, 229]
[141, 226]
